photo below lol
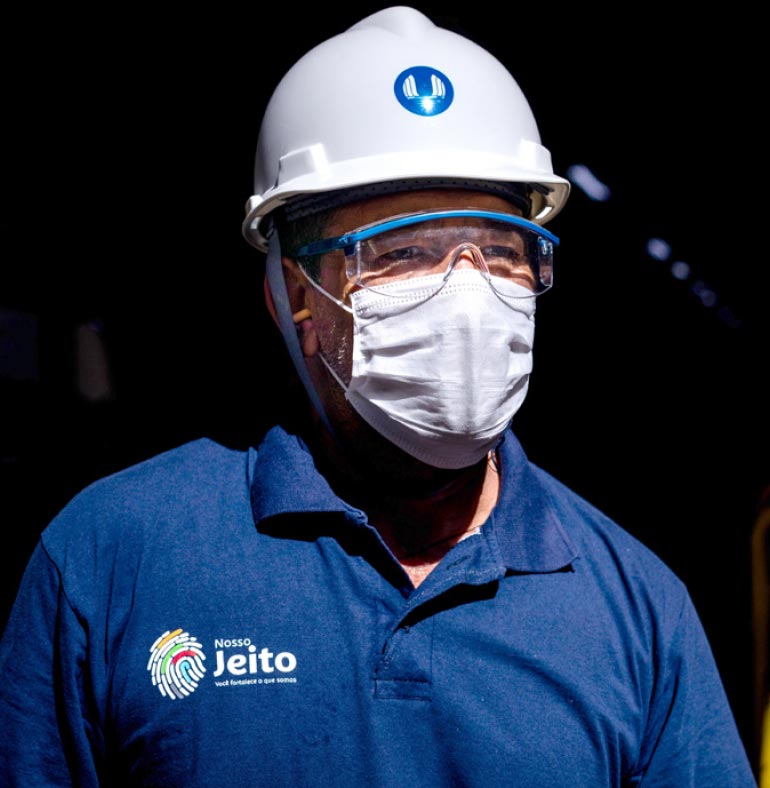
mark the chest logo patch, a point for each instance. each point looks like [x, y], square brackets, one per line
[176, 664]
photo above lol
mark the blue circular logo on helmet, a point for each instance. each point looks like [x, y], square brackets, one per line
[423, 90]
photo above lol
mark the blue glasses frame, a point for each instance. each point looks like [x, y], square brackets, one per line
[348, 241]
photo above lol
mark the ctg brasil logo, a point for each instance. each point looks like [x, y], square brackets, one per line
[176, 664]
[424, 90]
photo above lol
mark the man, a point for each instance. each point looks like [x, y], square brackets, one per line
[390, 594]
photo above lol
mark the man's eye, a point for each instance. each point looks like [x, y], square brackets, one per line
[503, 253]
[403, 253]
[406, 255]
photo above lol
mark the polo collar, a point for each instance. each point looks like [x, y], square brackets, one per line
[285, 480]
[525, 522]
[528, 527]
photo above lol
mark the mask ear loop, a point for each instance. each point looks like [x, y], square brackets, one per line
[277, 284]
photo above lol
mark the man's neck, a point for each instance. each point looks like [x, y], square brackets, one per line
[422, 519]
[421, 531]
[420, 511]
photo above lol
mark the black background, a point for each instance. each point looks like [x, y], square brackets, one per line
[128, 144]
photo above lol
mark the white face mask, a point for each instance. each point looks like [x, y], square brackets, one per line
[441, 378]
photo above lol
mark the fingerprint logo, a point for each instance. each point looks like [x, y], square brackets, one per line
[176, 664]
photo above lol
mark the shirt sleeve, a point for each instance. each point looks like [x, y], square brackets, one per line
[48, 735]
[691, 739]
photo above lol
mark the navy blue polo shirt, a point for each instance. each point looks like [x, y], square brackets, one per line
[213, 617]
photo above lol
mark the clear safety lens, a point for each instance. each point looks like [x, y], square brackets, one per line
[500, 245]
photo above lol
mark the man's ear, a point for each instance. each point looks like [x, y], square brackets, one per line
[297, 291]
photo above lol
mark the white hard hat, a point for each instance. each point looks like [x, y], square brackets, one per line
[396, 98]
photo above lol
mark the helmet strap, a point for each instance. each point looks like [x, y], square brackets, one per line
[286, 324]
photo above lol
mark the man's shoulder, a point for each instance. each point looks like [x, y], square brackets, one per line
[140, 516]
[177, 478]
[199, 462]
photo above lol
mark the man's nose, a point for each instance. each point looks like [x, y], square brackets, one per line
[467, 255]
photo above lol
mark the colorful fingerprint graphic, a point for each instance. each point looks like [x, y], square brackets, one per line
[176, 664]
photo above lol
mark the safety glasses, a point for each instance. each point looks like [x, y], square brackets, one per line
[500, 245]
